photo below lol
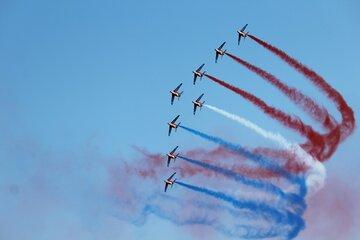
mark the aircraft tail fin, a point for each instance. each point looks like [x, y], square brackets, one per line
[180, 93]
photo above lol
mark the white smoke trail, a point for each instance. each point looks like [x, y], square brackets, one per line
[315, 176]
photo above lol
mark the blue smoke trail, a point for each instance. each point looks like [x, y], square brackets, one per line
[236, 231]
[260, 208]
[292, 198]
[209, 206]
[240, 231]
[261, 160]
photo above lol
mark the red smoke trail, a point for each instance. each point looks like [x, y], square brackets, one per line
[317, 112]
[316, 145]
[348, 120]
[332, 139]
[336, 204]
[152, 162]
[285, 158]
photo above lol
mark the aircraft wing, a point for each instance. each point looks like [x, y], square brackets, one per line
[195, 76]
[168, 161]
[172, 98]
[166, 186]
[171, 176]
[177, 88]
[174, 149]
[198, 99]
[222, 45]
[202, 65]
[194, 109]
[239, 38]
[169, 130]
[243, 28]
[216, 57]
[173, 121]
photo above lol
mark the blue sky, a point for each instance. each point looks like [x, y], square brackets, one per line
[94, 76]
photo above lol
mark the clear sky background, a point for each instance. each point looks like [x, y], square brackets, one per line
[80, 79]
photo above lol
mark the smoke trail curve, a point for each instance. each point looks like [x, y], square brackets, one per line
[315, 176]
[317, 112]
[266, 186]
[261, 208]
[348, 119]
[316, 140]
[259, 159]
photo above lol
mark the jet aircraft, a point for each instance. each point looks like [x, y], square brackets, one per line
[242, 33]
[176, 93]
[169, 181]
[197, 73]
[219, 51]
[173, 124]
[198, 103]
[172, 155]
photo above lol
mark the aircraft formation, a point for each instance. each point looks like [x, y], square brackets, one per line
[176, 93]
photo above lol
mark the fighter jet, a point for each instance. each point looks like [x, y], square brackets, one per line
[242, 33]
[169, 181]
[173, 124]
[198, 103]
[219, 51]
[175, 93]
[172, 155]
[198, 73]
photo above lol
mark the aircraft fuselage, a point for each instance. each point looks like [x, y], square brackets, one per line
[219, 51]
[199, 74]
[173, 125]
[171, 156]
[199, 104]
[169, 182]
[175, 93]
[244, 34]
